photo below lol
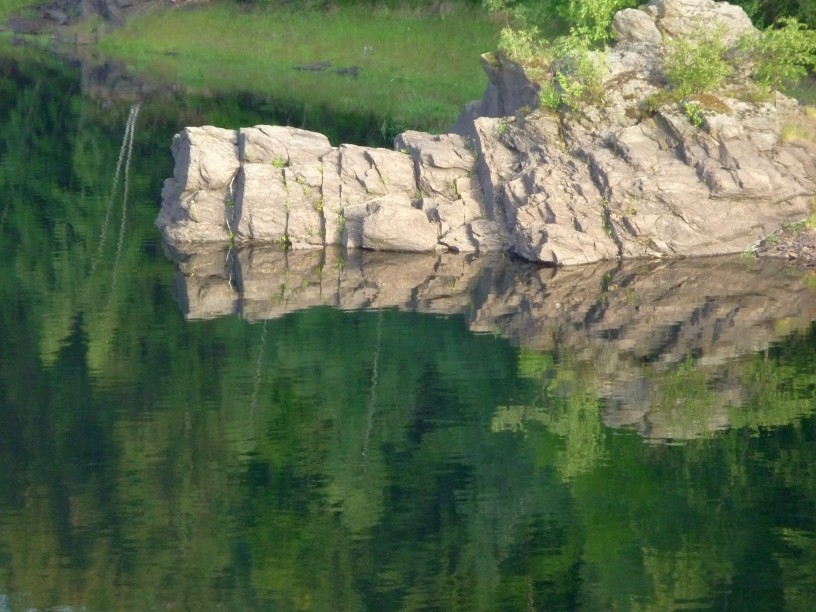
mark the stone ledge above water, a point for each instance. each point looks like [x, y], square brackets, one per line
[605, 183]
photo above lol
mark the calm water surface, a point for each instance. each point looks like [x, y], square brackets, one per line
[263, 431]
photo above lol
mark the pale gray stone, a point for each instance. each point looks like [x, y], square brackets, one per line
[282, 145]
[389, 227]
[206, 157]
[632, 25]
[260, 204]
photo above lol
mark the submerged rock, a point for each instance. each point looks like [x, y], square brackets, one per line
[606, 182]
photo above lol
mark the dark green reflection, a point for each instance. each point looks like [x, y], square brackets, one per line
[347, 461]
[355, 460]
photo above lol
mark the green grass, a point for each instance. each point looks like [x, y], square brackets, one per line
[415, 71]
[15, 7]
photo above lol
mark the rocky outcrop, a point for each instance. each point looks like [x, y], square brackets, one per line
[273, 184]
[634, 329]
[610, 181]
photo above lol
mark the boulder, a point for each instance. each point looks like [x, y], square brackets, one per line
[682, 18]
[397, 227]
[197, 202]
[632, 25]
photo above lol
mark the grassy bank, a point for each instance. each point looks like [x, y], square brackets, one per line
[15, 7]
[414, 70]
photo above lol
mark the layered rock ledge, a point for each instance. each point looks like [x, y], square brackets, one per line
[606, 182]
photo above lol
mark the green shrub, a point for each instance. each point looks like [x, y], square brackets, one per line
[591, 18]
[580, 71]
[783, 54]
[697, 64]
[549, 97]
[693, 111]
[521, 44]
[764, 12]
[588, 19]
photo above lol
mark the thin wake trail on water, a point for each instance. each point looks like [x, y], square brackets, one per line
[125, 155]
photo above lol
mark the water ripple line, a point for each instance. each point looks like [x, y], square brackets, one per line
[127, 136]
[130, 130]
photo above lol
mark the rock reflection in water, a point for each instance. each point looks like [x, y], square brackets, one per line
[650, 332]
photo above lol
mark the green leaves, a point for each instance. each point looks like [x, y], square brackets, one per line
[591, 19]
[580, 74]
[783, 53]
[697, 64]
[587, 19]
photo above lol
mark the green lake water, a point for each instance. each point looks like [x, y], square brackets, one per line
[254, 430]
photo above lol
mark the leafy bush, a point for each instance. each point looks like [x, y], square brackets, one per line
[697, 64]
[579, 72]
[764, 12]
[549, 97]
[588, 19]
[591, 18]
[521, 44]
[694, 112]
[783, 54]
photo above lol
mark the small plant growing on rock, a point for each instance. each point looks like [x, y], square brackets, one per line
[279, 163]
[341, 221]
[606, 223]
[693, 111]
[548, 97]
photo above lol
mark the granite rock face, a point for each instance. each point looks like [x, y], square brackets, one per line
[605, 182]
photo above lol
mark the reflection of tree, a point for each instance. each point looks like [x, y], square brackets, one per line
[797, 561]
[348, 460]
[666, 526]
[567, 405]
[207, 502]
